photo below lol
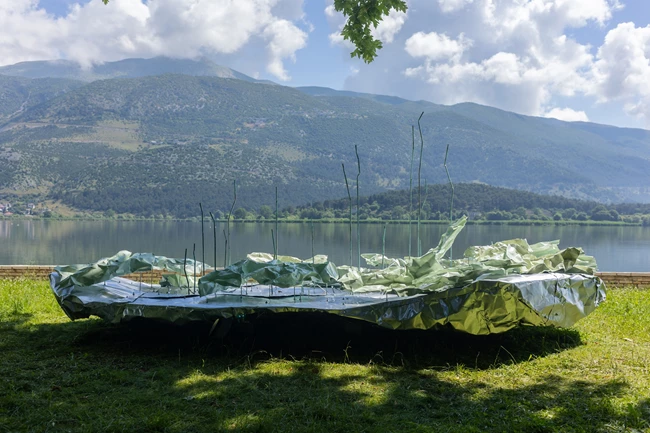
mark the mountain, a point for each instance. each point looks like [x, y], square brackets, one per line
[326, 91]
[161, 144]
[17, 94]
[617, 157]
[128, 68]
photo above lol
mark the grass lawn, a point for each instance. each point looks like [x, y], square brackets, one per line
[317, 373]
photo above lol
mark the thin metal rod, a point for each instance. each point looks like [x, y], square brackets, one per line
[426, 193]
[419, 185]
[234, 185]
[202, 239]
[187, 280]
[451, 205]
[411, 186]
[383, 247]
[275, 257]
[313, 258]
[424, 202]
[194, 260]
[347, 186]
[275, 246]
[356, 152]
[225, 249]
[214, 239]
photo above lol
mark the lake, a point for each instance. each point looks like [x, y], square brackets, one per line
[47, 242]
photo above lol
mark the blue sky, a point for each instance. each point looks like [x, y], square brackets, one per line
[570, 59]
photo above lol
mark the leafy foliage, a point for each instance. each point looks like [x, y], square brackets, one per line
[362, 17]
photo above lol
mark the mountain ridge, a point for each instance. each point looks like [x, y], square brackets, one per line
[126, 68]
[202, 132]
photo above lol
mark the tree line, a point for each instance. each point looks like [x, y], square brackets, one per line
[478, 201]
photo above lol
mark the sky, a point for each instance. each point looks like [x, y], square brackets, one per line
[575, 60]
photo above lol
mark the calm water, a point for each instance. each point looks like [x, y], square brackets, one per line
[67, 242]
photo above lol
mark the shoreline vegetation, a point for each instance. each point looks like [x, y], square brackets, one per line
[526, 222]
[482, 204]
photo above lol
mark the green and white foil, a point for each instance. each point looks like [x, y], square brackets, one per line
[491, 289]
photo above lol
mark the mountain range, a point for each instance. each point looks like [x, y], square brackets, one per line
[156, 136]
[127, 68]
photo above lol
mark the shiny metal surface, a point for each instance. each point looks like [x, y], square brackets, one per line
[492, 289]
[482, 307]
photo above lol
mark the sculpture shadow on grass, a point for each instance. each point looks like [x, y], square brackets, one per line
[332, 338]
[269, 375]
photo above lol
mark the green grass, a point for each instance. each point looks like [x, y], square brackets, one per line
[317, 373]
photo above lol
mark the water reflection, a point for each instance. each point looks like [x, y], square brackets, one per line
[616, 248]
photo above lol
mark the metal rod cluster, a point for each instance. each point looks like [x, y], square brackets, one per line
[274, 232]
[411, 187]
[214, 238]
[451, 204]
[228, 244]
[419, 186]
[275, 243]
[356, 152]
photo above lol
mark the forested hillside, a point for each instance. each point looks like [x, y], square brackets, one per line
[19, 94]
[479, 201]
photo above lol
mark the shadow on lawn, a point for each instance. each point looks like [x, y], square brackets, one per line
[13, 320]
[144, 376]
[330, 338]
[414, 401]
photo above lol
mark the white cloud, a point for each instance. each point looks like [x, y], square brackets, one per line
[542, 18]
[513, 54]
[94, 33]
[331, 12]
[336, 21]
[519, 55]
[285, 40]
[622, 69]
[578, 12]
[26, 32]
[434, 46]
[448, 6]
[567, 114]
[389, 26]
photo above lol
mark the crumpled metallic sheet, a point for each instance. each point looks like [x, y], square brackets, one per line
[482, 307]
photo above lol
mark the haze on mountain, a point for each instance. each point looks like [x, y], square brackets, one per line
[127, 68]
[122, 136]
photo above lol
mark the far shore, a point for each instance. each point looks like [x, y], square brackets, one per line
[548, 222]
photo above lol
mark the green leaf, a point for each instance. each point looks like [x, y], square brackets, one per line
[361, 14]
